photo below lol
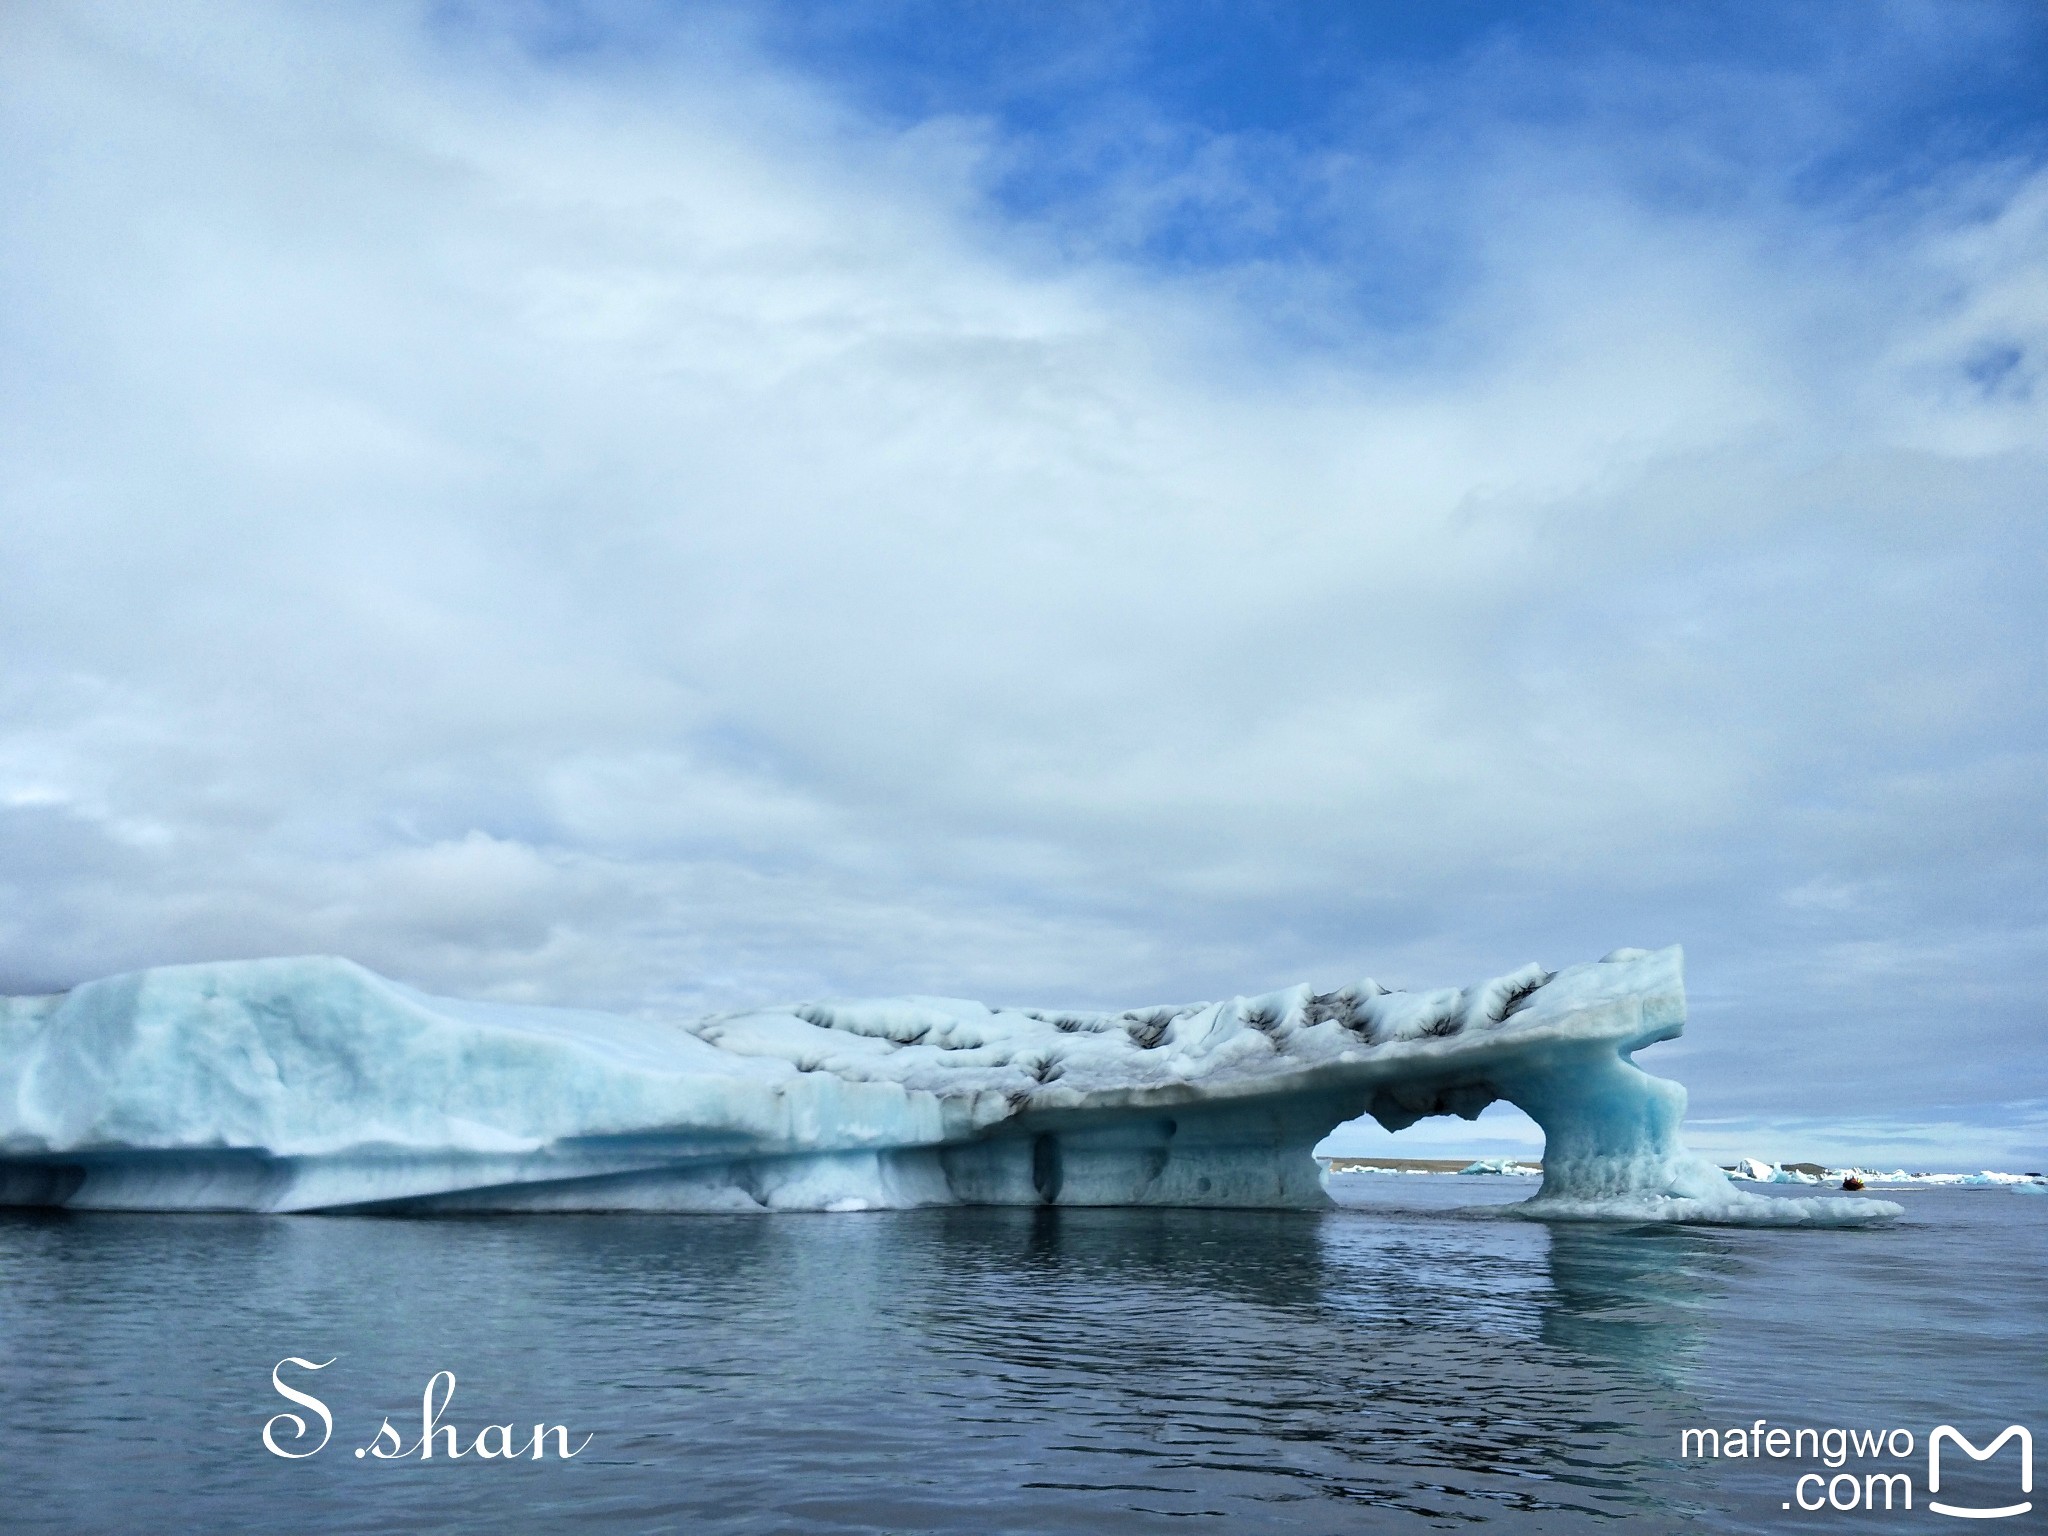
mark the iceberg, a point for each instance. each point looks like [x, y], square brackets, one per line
[316, 1085]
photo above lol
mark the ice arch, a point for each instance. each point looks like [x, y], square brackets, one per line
[313, 1084]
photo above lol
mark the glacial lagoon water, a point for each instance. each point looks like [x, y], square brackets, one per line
[1407, 1362]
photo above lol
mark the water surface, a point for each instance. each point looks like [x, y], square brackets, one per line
[1397, 1365]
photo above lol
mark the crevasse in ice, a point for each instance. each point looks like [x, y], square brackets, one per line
[313, 1084]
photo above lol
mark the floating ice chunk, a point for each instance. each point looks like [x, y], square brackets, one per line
[1989, 1178]
[283, 1085]
[1754, 1170]
[1504, 1165]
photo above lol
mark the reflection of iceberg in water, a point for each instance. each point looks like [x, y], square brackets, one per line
[289, 1085]
[1633, 1296]
[1391, 1362]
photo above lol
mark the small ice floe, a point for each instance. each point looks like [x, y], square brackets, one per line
[1504, 1165]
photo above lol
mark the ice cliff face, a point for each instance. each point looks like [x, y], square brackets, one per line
[311, 1084]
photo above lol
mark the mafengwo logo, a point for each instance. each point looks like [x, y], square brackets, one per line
[2012, 1432]
[1890, 1486]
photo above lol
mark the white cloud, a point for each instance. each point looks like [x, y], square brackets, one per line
[642, 535]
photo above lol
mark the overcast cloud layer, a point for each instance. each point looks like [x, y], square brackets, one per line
[650, 514]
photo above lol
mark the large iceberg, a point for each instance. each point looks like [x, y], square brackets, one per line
[313, 1084]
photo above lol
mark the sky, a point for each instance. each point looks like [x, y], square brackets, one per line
[677, 507]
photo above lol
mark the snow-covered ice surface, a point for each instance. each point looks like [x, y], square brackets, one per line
[312, 1084]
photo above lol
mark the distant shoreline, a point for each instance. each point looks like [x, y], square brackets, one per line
[1411, 1164]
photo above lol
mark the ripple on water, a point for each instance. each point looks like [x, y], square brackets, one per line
[1398, 1364]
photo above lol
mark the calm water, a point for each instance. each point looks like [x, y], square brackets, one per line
[1400, 1365]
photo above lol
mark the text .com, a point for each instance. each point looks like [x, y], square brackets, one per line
[1890, 1486]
